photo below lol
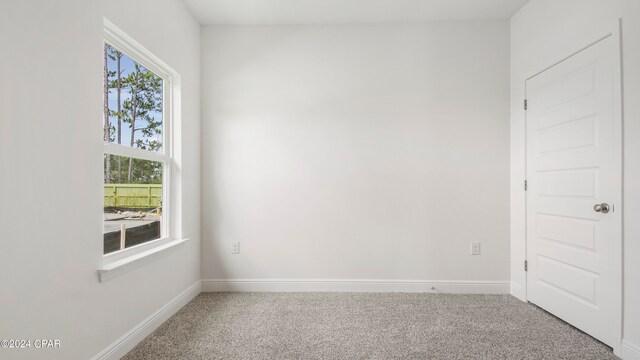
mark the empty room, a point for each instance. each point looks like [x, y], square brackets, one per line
[320, 179]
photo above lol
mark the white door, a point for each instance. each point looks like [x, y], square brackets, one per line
[574, 189]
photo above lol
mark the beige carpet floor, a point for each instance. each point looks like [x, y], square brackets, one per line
[365, 326]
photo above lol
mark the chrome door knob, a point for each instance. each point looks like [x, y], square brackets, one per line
[603, 208]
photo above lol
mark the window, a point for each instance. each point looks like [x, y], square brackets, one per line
[137, 147]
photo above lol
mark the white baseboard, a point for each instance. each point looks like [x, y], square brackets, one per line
[629, 351]
[129, 340]
[355, 285]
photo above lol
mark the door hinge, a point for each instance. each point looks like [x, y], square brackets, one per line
[525, 185]
[526, 266]
[526, 105]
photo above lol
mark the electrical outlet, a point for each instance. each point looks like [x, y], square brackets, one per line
[475, 248]
[235, 247]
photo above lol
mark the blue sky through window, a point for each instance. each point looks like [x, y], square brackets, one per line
[127, 67]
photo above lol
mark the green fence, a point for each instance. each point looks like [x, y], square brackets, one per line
[135, 196]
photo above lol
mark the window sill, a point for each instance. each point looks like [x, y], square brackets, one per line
[111, 269]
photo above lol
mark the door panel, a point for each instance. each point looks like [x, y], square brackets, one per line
[571, 166]
[578, 233]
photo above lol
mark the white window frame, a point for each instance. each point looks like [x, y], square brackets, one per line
[119, 261]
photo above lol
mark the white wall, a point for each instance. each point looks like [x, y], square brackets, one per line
[50, 177]
[356, 152]
[631, 70]
[542, 33]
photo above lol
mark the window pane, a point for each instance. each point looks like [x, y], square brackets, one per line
[132, 202]
[134, 98]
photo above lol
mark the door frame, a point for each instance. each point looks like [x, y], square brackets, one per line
[616, 35]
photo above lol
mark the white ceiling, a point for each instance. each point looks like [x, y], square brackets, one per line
[277, 12]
